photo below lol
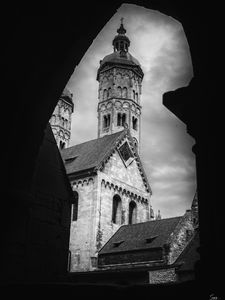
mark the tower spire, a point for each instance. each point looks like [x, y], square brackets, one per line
[120, 77]
[121, 30]
[121, 41]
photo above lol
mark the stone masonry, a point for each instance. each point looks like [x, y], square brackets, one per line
[94, 224]
[180, 237]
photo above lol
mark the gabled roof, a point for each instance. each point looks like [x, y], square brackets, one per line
[147, 235]
[92, 155]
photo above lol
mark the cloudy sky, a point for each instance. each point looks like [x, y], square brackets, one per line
[159, 44]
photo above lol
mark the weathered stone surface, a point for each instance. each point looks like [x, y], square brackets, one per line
[116, 170]
[82, 229]
[162, 276]
[119, 92]
[94, 225]
[61, 120]
[180, 237]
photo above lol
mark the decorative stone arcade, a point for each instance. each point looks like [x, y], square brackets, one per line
[120, 77]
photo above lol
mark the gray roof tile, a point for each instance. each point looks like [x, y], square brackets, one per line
[134, 236]
[89, 154]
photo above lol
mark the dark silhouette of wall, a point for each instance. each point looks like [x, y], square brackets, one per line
[37, 242]
[41, 47]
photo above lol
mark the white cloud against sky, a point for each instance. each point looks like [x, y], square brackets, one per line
[159, 44]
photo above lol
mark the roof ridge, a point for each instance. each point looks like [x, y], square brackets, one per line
[126, 225]
[63, 150]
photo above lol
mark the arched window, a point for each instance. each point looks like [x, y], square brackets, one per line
[132, 212]
[136, 96]
[106, 121]
[134, 123]
[62, 145]
[104, 94]
[75, 205]
[109, 92]
[124, 117]
[116, 210]
[119, 92]
[119, 119]
[124, 92]
[133, 94]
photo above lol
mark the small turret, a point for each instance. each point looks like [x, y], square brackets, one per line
[151, 213]
[158, 216]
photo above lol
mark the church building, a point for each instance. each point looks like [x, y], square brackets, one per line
[109, 183]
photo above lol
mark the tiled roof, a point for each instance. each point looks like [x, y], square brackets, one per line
[135, 236]
[89, 155]
[190, 255]
[116, 57]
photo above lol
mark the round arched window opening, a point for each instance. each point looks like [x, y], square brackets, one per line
[132, 219]
[75, 206]
[62, 145]
[116, 209]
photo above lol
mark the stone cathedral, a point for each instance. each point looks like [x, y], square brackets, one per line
[109, 183]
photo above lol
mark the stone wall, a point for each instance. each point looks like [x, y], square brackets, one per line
[61, 122]
[130, 176]
[82, 230]
[119, 77]
[116, 179]
[94, 226]
[162, 276]
[119, 92]
[180, 237]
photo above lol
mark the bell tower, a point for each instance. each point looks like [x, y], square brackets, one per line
[120, 77]
[61, 119]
